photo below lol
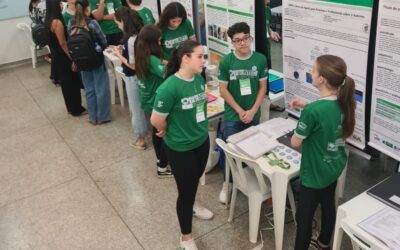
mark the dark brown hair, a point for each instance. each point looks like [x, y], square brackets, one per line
[171, 11]
[147, 45]
[334, 70]
[131, 19]
[175, 59]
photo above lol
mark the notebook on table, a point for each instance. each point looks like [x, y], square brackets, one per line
[388, 191]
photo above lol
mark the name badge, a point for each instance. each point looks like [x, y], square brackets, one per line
[245, 86]
[200, 116]
[110, 8]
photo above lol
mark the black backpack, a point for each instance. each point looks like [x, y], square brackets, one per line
[39, 34]
[82, 48]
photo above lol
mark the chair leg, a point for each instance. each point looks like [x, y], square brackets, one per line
[33, 55]
[254, 217]
[233, 201]
[291, 201]
[227, 176]
[120, 87]
[112, 88]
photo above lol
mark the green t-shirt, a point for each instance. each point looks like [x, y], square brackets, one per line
[107, 26]
[172, 38]
[243, 76]
[146, 16]
[67, 17]
[323, 150]
[149, 85]
[185, 103]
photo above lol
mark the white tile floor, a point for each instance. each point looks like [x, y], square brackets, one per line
[66, 184]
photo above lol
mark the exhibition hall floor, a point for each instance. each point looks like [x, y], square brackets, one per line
[66, 184]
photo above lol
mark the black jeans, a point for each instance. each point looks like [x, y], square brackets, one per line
[309, 199]
[187, 168]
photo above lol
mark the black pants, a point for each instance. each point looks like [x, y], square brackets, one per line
[187, 168]
[159, 149]
[309, 199]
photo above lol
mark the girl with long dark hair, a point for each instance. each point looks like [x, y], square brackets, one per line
[129, 22]
[180, 116]
[150, 72]
[70, 81]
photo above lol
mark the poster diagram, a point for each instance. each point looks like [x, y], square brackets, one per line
[385, 106]
[326, 28]
[219, 16]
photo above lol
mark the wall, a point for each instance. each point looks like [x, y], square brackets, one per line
[14, 45]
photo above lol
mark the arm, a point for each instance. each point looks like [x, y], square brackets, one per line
[58, 29]
[98, 13]
[124, 60]
[228, 98]
[274, 35]
[159, 122]
[296, 141]
[249, 114]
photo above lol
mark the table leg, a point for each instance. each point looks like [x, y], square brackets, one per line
[279, 185]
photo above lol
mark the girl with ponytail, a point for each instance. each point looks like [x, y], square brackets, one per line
[129, 22]
[180, 116]
[322, 129]
[95, 81]
[150, 71]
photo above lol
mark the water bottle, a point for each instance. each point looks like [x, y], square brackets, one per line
[97, 47]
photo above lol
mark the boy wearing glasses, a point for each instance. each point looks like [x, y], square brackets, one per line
[243, 83]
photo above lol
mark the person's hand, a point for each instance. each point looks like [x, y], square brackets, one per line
[117, 50]
[74, 67]
[297, 103]
[275, 36]
[161, 133]
[248, 116]
[241, 114]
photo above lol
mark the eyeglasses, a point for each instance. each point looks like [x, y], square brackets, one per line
[245, 39]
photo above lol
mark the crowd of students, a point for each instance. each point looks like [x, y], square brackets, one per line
[163, 63]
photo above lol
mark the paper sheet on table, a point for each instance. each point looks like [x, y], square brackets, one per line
[277, 127]
[385, 226]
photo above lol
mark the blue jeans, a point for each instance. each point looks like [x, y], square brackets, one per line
[233, 127]
[139, 122]
[97, 89]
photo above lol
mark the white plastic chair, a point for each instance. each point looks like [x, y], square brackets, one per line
[32, 46]
[250, 181]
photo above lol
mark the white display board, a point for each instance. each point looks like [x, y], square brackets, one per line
[312, 28]
[13, 8]
[220, 14]
[385, 106]
[153, 6]
[186, 3]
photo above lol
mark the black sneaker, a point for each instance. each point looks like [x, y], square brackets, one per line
[314, 245]
[164, 172]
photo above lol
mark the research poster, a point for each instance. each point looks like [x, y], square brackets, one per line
[312, 28]
[385, 106]
[220, 14]
[186, 3]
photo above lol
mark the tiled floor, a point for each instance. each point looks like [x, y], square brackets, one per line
[66, 184]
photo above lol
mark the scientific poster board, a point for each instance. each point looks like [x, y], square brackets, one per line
[186, 3]
[312, 28]
[13, 8]
[385, 104]
[220, 14]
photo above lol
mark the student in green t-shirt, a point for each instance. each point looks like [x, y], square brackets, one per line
[150, 73]
[103, 11]
[243, 84]
[69, 11]
[321, 130]
[145, 13]
[175, 28]
[180, 116]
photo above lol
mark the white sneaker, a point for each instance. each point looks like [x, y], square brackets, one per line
[188, 244]
[202, 213]
[225, 192]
